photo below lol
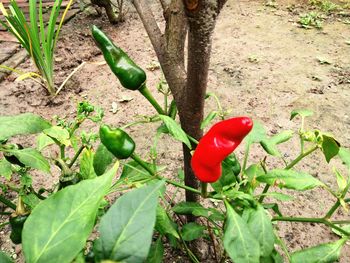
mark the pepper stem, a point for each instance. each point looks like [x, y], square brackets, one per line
[137, 159]
[148, 95]
[20, 209]
[204, 189]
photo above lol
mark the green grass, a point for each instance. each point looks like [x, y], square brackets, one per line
[39, 40]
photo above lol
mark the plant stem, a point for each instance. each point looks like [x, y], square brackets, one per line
[188, 251]
[4, 224]
[282, 245]
[311, 220]
[137, 159]
[13, 188]
[165, 102]
[246, 154]
[193, 140]
[148, 95]
[332, 210]
[62, 151]
[75, 157]
[337, 204]
[7, 202]
[181, 185]
[300, 157]
[143, 164]
[5, 213]
[266, 188]
[204, 190]
[152, 119]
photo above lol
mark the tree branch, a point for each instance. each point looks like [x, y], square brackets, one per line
[151, 26]
[169, 48]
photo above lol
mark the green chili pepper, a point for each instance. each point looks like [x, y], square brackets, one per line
[117, 142]
[17, 223]
[130, 75]
[17, 220]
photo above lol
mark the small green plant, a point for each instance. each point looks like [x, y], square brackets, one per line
[325, 5]
[39, 40]
[311, 20]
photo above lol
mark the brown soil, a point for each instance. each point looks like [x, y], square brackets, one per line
[263, 65]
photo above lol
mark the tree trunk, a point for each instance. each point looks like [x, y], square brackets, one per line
[198, 17]
[201, 21]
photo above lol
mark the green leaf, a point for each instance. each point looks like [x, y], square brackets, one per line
[164, 225]
[257, 134]
[237, 195]
[274, 207]
[186, 208]
[341, 181]
[240, 244]
[175, 130]
[127, 227]
[325, 253]
[211, 116]
[26, 123]
[290, 179]
[279, 196]
[196, 209]
[86, 165]
[58, 133]
[133, 172]
[270, 148]
[74, 140]
[282, 137]
[344, 155]
[302, 113]
[31, 200]
[254, 171]
[275, 257]
[26, 180]
[102, 159]
[42, 141]
[330, 147]
[260, 226]
[80, 258]
[227, 176]
[32, 158]
[270, 144]
[66, 220]
[156, 253]
[192, 231]
[5, 169]
[345, 227]
[5, 258]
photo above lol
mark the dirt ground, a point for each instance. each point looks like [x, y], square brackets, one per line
[263, 65]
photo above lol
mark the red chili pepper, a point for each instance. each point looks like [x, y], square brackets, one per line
[221, 140]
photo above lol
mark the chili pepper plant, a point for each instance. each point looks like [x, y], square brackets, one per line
[106, 187]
